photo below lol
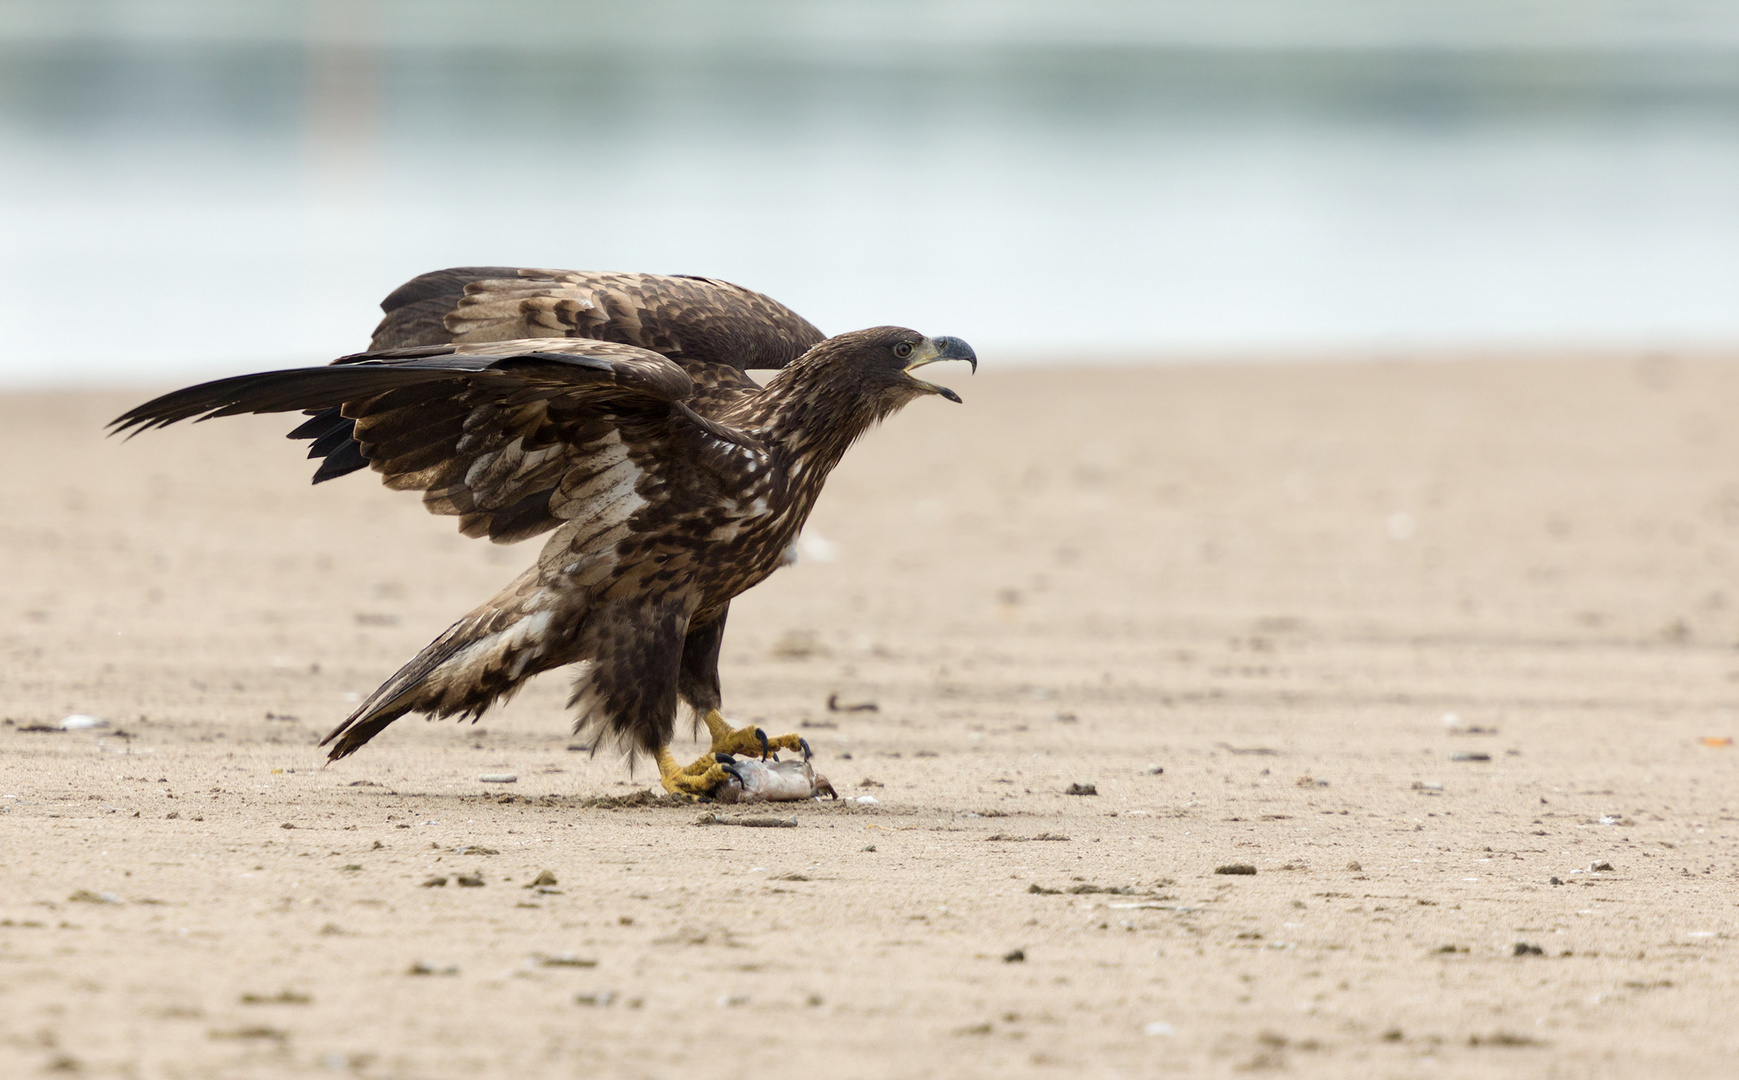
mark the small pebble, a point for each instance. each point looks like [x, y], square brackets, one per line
[1235, 868]
[1155, 770]
[81, 722]
[1525, 949]
[867, 800]
[434, 882]
[1469, 755]
[470, 881]
[1014, 957]
[498, 778]
[1599, 866]
[544, 877]
[1081, 789]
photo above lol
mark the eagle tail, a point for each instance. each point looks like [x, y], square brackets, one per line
[481, 659]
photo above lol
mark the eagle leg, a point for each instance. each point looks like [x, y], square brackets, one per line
[749, 741]
[698, 780]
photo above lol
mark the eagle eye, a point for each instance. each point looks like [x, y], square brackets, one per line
[903, 349]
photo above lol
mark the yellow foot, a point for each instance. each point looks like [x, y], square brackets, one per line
[749, 741]
[698, 780]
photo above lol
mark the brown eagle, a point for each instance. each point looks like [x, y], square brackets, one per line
[614, 412]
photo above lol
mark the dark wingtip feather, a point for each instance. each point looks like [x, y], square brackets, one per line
[341, 462]
[319, 422]
[289, 390]
[340, 434]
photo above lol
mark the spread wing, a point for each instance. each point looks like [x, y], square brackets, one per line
[713, 329]
[511, 437]
[698, 322]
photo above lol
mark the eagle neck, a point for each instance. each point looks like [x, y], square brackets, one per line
[810, 414]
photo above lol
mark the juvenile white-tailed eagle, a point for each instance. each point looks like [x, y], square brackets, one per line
[614, 412]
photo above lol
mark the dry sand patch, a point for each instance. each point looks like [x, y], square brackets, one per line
[1410, 639]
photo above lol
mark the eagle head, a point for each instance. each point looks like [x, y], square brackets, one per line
[875, 366]
[825, 400]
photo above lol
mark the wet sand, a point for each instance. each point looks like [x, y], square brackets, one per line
[1410, 639]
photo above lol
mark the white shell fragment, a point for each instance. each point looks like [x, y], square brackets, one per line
[81, 722]
[498, 778]
[773, 781]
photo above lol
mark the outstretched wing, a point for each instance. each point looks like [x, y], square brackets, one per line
[698, 322]
[511, 437]
[713, 329]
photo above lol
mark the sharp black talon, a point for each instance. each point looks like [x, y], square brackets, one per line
[762, 735]
[724, 759]
[807, 753]
[731, 767]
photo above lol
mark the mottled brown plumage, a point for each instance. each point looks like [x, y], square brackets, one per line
[618, 419]
[714, 329]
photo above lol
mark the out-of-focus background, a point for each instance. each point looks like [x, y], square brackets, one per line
[196, 186]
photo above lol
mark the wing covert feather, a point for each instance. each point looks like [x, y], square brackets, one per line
[698, 322]
[713, 329]
[488, 431]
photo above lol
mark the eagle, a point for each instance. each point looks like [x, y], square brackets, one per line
[614, 412]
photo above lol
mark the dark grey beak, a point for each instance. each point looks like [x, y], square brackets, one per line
[952, 348]
[943, 348]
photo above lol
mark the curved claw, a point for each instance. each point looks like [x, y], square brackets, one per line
[699, 780]
[750, 741]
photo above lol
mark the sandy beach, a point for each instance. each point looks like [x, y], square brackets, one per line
[1443, 649]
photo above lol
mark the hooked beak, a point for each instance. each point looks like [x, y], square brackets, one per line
[943, 348]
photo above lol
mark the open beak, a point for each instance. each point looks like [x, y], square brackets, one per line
[943, 348]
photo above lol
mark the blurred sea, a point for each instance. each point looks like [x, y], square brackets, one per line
[192, 188]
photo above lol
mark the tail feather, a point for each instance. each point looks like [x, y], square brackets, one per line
[397, 696]
[481, 659]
